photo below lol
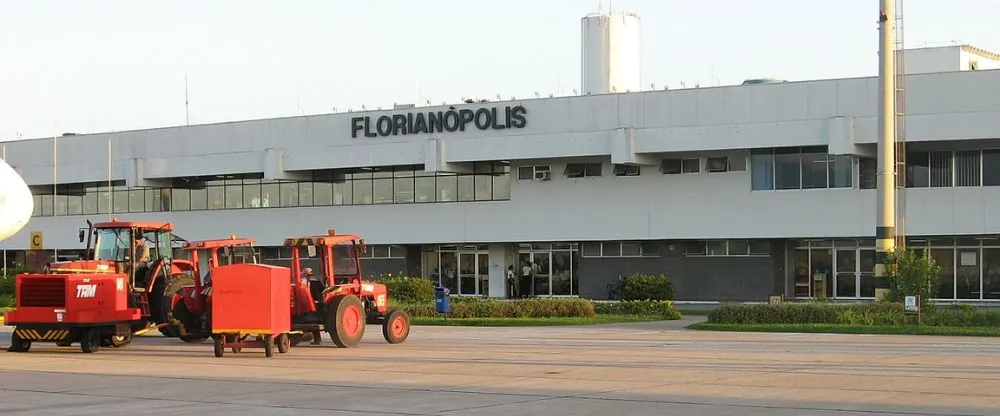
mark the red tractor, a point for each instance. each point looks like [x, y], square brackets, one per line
[338, 301]
[117, 291]
[191, 304]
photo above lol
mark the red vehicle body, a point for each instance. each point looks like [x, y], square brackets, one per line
[104, 299]
[190, 305]
[340, 303]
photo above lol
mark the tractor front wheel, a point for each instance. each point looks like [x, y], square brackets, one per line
[120, 341]
[90, 341]
[345, 321]
[396, 326]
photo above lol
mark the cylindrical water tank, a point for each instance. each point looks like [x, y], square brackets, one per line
[610, 55]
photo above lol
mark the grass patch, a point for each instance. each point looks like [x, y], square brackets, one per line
[976, 331]
[554, 321]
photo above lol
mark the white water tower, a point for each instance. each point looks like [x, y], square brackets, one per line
[610, 55]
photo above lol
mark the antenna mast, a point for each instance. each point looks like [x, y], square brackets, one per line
[187, 113]
[900, 120]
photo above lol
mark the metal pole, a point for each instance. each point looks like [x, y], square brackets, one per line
[55, 189]
[4, 155]
[885, 225]
[111, 195]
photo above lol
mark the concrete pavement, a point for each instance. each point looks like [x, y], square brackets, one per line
[629, 369]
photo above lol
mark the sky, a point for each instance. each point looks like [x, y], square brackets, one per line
[102, 65]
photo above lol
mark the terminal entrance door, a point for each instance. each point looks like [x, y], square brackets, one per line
[473, 273]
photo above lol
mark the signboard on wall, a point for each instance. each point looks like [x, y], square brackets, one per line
[452, 120]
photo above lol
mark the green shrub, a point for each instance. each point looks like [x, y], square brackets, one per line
[7, 286]
[403, 289]
[495, 308]
[912, 273]
[660, 308]
[6, 301]
[875, 314]
[646, 287]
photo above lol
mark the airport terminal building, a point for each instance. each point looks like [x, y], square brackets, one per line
[735, 192]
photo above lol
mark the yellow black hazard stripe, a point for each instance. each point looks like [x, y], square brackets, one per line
[42, 335]
[301, 242]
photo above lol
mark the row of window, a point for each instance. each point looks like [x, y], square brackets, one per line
[373, 251]
[799, 168]
[380, 187]
[940, 169]
[668, 166]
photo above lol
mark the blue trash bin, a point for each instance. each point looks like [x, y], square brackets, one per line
[442, 301]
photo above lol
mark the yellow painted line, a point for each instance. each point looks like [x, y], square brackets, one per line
[241, 331]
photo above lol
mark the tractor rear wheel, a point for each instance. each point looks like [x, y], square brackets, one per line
[18, 345]
[90, 341]
[119, 341]
[345, 321]
[396, 326]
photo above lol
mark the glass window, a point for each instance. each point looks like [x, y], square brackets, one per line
[466, 188]
[199, 199]
[991, 167]
[424, 189]
[234, 194]
[61, 207]
[402, 188]
[940, 169]
[362, 191]
[305, 194]
[216, 197]
[289, 194]
[104, 200]
[991, 273]
[343, 193]
[760, 247]
[74, 205]
[153, 200]
[501, 187]
[841, 171]
[90, 201]
[867, 173]
[917, 169]
[787, 168]
[762, 170]
[180, 199]
[611, 249]
[945, 258]
[739, 247]
[382, 190]
[717, 248]
[967, 168]
[631, 248]
[322, 193]
[591, 249]
[119, 200]
[269, 192]
[136, 200]
[814, 170]
[251, 193]
[692, 165]
[447, 188]
[484, 187]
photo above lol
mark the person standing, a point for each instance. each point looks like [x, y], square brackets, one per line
[526, 280]
[510, 282]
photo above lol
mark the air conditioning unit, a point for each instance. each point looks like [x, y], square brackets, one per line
[543, 175]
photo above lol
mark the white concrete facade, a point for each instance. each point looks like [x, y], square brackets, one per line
[953, 109]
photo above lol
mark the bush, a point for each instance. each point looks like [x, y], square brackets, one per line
[875, 314]
[6, 301]
[912, 273]
[660, 308]
[495, 308]
[403, 289]
[7, 286]
[646, 287]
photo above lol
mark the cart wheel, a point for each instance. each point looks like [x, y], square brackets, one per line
[18, 345]
[346, 321]
[295, 339]
[396, 326]
[119, 341]
[283, 343]
[91, 341]
[268, 346]
[220, 346]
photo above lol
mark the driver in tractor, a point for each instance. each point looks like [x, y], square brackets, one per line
[141, 249]
[316, 289]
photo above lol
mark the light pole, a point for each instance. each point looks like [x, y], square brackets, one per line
[885, 223]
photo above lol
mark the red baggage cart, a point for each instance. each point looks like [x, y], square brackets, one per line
[251, 308]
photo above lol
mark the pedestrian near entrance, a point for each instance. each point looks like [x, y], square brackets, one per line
[526, 280]
[510, 282]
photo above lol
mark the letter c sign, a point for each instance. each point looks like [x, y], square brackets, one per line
[36, 240]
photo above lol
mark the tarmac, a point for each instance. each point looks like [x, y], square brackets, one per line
[618, 369]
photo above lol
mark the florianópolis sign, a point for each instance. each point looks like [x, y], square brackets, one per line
[483, 118]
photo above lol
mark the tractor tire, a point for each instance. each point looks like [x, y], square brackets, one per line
[90, 341]
[159, 306]
[283, 343]
[18, 345]
[117, 341]
[396, 326]
[345, 321]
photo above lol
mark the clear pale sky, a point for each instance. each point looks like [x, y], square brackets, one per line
[102, 65]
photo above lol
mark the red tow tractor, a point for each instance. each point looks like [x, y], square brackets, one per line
[340, 303]
[103, 300]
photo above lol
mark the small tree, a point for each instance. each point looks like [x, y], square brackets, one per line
[912, 273]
